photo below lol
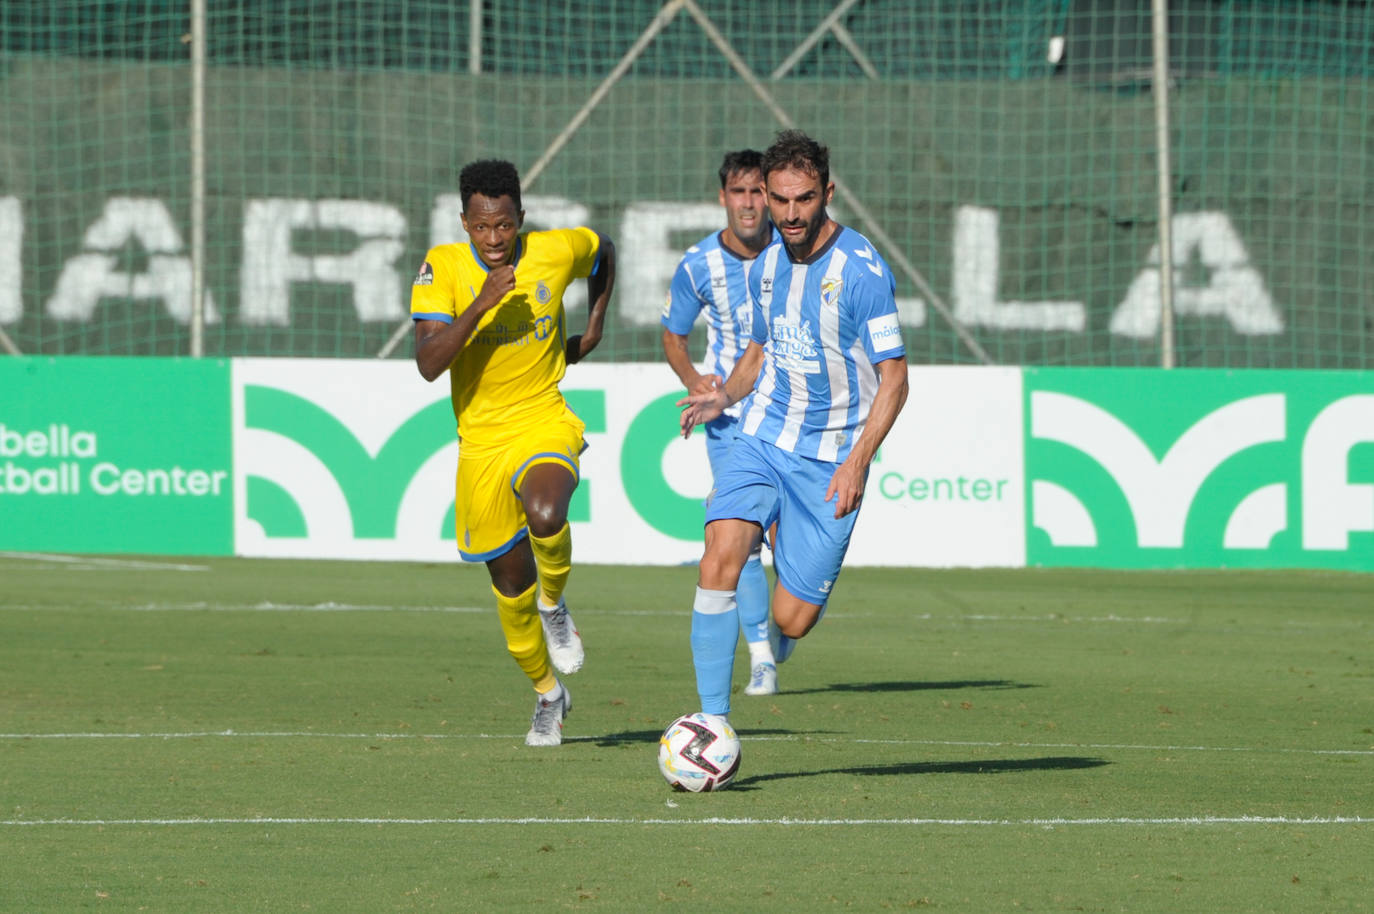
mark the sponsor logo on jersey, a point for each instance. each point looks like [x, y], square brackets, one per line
[426, 275]
[885, 333]
[794, 346]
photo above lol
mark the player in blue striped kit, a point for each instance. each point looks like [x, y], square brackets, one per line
[710, 280]
[822, 381]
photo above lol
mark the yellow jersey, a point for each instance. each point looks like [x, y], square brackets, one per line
[506, 377]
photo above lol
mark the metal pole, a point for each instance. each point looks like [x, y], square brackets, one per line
[660, 22]
[800, 51]
[846, 195]
[197, 178]
[7, 344]
[475, 37]
[1160, 16]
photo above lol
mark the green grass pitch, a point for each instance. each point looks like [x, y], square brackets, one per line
[237, 735]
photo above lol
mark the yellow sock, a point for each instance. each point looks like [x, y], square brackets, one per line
[525, 637]
[553, 557]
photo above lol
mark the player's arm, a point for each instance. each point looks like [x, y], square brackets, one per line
[703, 407]
[599, 286]
[680, 360]
[437, 344]
[847, 484]
[680, 312]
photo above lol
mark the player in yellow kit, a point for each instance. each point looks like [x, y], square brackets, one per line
[490, 312]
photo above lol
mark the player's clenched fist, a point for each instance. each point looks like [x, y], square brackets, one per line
[500, 281]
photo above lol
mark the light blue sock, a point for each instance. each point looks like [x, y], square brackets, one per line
[752, 597]
[715, 629]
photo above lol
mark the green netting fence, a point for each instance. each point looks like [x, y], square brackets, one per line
[1002, 155]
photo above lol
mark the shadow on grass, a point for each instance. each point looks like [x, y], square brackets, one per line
[991, 766]
[624, 737]
[910, 686]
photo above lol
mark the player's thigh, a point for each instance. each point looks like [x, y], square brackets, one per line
[810, 542]
[488, 516]
[748, 487]
[729, 543]
[547, 469]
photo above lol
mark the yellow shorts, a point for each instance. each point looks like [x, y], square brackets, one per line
[490, 517]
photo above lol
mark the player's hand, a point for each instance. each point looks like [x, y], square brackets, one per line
[705, 383]
[499, 283]
[698, 409]
[847, 488]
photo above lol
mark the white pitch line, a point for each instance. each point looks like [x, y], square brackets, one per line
[266, 606]
[833, 617]
[1116, 746]
[954, 744]
[325, 607]
[89, 562]
[270, 606]
[712, 820]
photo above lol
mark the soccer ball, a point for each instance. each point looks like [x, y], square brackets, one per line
[698, 753]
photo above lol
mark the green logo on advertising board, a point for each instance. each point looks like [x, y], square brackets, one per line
[1146, 468]
[371, 486]
[641, 469]
[115, 455]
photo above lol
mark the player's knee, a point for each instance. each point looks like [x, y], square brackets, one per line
[718, 571]
[545, 517]
[512, 574]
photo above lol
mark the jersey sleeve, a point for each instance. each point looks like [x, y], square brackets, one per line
[431, 294]
[684, 304]
[585, 247]
[758, 324]
[875, 312]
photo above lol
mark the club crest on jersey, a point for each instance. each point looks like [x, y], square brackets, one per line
[830, 291]
[426, 275]
[766, 285]
[542, 293]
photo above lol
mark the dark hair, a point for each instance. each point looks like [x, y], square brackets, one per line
[490, 178]
[794, 149]
[738, 161]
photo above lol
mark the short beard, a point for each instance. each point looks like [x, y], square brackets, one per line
[760, 237]
[813, 232]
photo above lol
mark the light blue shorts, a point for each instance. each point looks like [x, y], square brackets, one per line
[763, 483]
[720, 436]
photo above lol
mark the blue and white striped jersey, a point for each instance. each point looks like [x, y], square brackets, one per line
[823, 325]
[710, 278]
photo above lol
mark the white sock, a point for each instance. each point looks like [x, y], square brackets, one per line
[760, 652]
[552, 694]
